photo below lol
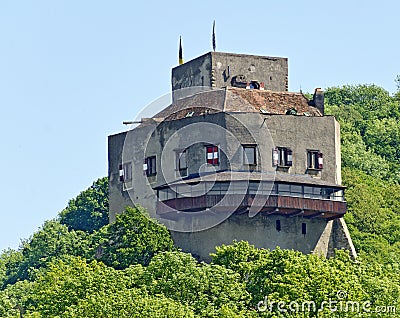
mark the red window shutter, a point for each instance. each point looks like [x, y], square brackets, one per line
[209, 155]
[320, 160]
[212, 155]
[289, 157]
[215, 155]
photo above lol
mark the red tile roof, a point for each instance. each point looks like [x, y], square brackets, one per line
[234, 99]
[269, 101]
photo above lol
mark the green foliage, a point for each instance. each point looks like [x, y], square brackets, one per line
[89, 210]
[373, 215]
[52, 241]
[10, 261]
[397, 94]
[368, 102]
[370, 129]
[173, 285]
[139, 273]
[14, 300]
[289, 276]
[127, 304]
[356, 155]
[205, 288]
[67, 282]
[383, 135]
[132, 239]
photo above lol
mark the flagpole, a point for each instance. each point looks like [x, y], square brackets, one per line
[180, 58]
[214, 45]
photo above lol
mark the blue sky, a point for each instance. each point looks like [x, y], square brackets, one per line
[72, 71]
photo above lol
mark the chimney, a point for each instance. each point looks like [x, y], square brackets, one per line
[318, 100]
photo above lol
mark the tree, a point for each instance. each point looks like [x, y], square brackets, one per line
[373, 215]
[67, 282]
[369, 119]
[14, 300]
[52, 241]
[383, 135]
[10, 261]
[356, 155]
[291, 277]
[366, 101]
[127, 304]
[89, 210]
[134, 238]
[208, 289]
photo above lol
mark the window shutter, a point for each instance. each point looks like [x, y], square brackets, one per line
[209, 155]
[320, 160]
[216, 159]
[145, 166]
[121, 173]
[289, 157]
[275, 156]
[212, 155]
[127, 170]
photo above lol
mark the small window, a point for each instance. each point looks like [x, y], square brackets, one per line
[254, 85]
[149, 166]
[182, 160]
[125, 172]
[282, 157]
[284, 189]
[249, 155]
[303, 228]
[212, 155]
[278, 225]
[181, 163]
[315, 159]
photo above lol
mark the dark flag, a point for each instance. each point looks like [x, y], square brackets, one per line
[213, 37]
[180, 51]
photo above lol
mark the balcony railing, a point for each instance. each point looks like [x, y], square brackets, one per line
[267, 198]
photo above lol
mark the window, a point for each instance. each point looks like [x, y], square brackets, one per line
[181, 163]
[182, 160]
[249, 155]
[284, 189]
[278, 225]
[125, 172]
[303, 228]
[212, 155]
[282, 157]
[315, 159]
[149, 166]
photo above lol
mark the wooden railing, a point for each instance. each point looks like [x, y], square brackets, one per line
[277, 204]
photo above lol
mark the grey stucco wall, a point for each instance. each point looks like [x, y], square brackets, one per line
[217, 69]
[260, 231]
[273, 71]
[296, 132]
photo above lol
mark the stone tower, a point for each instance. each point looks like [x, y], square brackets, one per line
[235, 157]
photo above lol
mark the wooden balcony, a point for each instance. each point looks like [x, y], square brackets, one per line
[288, 206]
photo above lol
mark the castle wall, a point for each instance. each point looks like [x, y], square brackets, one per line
[266, 132]
[272, 71]
[217, 69]
[234, 130]
[260, 231]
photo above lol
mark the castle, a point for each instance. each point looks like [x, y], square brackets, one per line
[235, 156]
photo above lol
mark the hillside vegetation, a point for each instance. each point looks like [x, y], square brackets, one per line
[77, 265]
